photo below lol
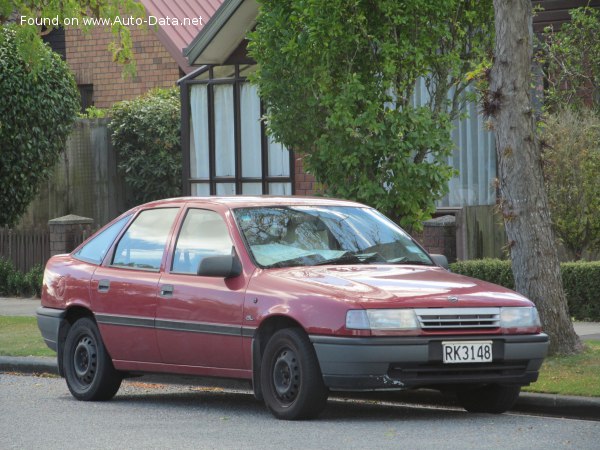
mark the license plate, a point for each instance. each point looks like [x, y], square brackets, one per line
[467, 352]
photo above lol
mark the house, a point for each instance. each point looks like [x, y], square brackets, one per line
[226, 150]
[157, 49]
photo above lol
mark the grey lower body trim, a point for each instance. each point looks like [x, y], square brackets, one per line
[175, 325]
[402, 363]
[49, 322]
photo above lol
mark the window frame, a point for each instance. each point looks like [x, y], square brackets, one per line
[236, 80]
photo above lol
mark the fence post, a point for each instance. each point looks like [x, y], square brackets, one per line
[63, 231]
[439, 236]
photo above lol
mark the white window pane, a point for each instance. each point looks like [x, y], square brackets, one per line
[252, 189]
[199, 132]
[224, 131]
[250, 126]
[279, 160]
[201, 189]
[280, 188]
[225, 188]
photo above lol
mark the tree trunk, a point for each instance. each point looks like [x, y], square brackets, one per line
[523, 199]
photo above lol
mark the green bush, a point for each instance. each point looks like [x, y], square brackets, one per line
[146, 136]
[14, 282]
[581, 281]
[37, 110]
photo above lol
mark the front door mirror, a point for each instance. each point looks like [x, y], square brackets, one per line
[440, 260]
[222, 266]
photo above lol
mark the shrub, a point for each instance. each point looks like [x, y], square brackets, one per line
[146, 136]
[14, 282]
[581, 281]
[571, 160]
[37, 109]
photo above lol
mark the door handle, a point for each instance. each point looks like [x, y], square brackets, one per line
[103, 285]
[166, 290]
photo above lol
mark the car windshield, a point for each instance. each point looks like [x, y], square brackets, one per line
[287, 236]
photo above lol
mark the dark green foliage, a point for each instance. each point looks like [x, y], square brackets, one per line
[37, 110]
[338, 79]
[581, 281]
[13, 282]
[582, 287]
[146, 136]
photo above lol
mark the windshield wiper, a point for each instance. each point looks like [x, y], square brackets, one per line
[346, 258]
[412, 263]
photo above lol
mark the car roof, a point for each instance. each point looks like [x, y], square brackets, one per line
[241, 201]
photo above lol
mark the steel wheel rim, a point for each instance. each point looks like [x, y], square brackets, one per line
[85, 360]
[286, 376]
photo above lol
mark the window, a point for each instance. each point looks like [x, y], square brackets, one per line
[203, 233]
[143, 244]
[95, 250]
[229, 152]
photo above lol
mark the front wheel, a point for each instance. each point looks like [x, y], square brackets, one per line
[87, 366]
[492, 398]
[290, 378]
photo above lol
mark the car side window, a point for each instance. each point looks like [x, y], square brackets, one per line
[203, 233]
[143, 244]
[95, 250]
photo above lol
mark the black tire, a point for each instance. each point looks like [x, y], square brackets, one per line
[290, 378]
[491, 398]
[87, 366]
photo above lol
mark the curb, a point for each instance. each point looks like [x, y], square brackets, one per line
[28, 364]
[573, 407]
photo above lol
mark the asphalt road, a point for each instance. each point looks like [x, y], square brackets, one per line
[38, 412]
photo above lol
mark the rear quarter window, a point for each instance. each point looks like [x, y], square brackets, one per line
[95, 250]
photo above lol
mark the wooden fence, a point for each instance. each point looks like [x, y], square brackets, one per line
[29, 247]
[25, 248]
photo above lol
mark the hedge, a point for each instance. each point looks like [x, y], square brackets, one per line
[581, 281]
[14, 282]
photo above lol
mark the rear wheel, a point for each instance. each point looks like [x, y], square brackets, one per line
[491, 398]
[291, 381]
[87, 366]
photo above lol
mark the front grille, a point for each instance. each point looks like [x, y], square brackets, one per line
[448, 319]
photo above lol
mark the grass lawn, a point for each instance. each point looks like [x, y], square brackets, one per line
[567, 375]
[20, 336]
[571, 375]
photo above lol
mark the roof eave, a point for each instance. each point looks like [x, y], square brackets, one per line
[223, 33]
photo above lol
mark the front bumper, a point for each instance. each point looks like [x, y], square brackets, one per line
[49, 322]
[378, 363]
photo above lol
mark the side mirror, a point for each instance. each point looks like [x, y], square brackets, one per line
[222, 266]
[440, 260]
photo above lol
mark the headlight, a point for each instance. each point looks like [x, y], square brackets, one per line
[519, 317]
[381, 319]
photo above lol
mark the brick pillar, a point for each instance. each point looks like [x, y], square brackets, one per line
[65, 233]
[439, 236]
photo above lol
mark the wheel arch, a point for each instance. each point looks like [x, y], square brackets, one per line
[267, 328]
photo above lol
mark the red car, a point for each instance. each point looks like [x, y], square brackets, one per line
[301, 296]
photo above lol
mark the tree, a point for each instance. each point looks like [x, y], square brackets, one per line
[146, 135]
[570, 58]
[523, 199]
[36, 114]
[31, 18]
[338, 78]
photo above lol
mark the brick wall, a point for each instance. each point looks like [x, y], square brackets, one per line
[91, 62]
[305, 183]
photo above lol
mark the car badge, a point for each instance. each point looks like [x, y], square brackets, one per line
[452, 298]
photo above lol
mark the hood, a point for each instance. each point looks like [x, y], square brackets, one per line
[384, 286]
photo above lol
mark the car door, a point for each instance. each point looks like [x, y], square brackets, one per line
[124, 289]
[199, 319]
